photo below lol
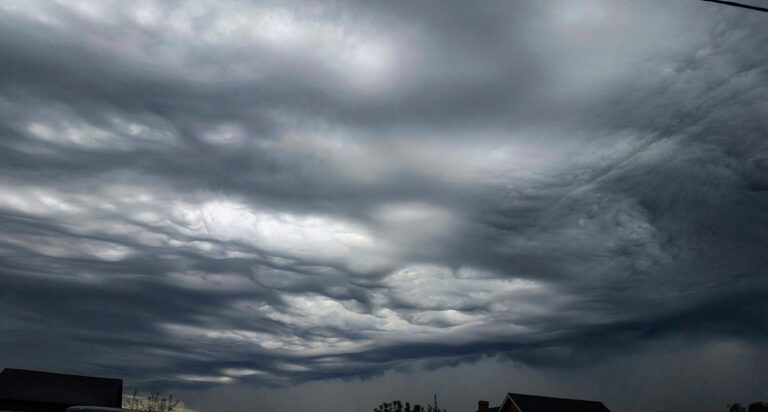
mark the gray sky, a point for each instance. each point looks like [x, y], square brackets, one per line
[316, 206]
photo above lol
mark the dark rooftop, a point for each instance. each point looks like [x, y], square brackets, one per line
[57, 388]
[533, 403]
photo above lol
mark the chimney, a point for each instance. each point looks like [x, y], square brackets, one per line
[482, 406]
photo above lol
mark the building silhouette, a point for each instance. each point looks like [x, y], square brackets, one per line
[35, 391]
[518, 402]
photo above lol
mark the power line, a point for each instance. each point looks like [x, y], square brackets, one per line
[745, 6]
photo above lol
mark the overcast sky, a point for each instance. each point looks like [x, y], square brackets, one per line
[324, 206]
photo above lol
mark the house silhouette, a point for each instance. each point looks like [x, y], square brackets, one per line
[518, 402]
[35, 391]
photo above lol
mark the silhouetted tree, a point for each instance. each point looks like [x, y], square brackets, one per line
[384, 407]
[397, 406]
[152, 403]
[757, 407]
[736, 407]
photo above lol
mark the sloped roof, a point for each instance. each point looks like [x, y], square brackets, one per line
[533, 403]
[35, 386]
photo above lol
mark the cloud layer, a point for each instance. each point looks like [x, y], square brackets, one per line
[202, 193]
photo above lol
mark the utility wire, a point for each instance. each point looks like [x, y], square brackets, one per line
[745, 6]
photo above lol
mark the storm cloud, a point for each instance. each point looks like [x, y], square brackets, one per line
[196, 194]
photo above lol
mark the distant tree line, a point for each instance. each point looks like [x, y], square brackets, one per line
[398, 406]
[753, 407]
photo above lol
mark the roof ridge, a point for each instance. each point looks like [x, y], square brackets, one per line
[57, 373]
[551, 397]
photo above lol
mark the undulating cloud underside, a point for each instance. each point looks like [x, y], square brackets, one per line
[203, 193]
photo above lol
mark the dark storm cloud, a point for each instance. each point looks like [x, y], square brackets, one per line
[198, 194]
